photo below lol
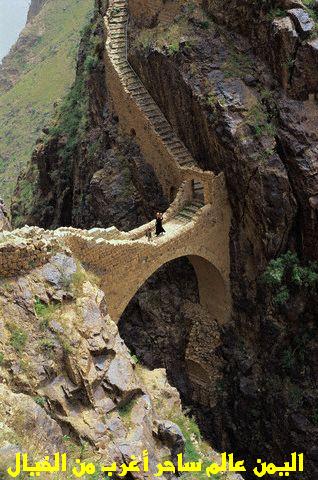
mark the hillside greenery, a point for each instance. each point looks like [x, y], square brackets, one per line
[45, 72]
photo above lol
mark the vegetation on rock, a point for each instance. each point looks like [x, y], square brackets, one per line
[286, 276]
[44, 65]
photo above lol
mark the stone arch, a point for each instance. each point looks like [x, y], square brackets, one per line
[213, 292]
[212, 289]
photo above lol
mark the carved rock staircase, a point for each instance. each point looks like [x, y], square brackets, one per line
[117, 25]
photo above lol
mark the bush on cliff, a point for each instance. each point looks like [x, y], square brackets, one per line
[285, 276]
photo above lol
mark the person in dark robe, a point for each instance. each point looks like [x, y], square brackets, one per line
[159, 228]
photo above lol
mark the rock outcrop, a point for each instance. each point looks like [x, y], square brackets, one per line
[35, 7]
[292, 45]
[80, 390]
[60, 348]
[5, 223]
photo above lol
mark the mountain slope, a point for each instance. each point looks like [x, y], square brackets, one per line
[36, 74]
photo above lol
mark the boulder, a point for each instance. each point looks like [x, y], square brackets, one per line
[170, 434]
[303, 23]
[4, 217]
[305, 77]
[121, 376]
[59, 270]
[284, 38]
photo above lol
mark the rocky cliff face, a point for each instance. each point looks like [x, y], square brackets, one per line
[35, 7]
[289, 26]
[86, 173]
[234, 117]
[67, 381]
[5, 223]
[248, 112]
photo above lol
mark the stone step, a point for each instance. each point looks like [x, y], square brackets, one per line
[137, 96]
[117, 44]
[133, 86]
[117, 29]
[148, 102]
[198, 203]
[187, 163]
[121, 52]
[163, 130]
[133, 81]
[136, 86]
[125, 74]
[119, 58]
[185, 215]
[118, 23]
[183, 154]
[121, 63]
[119, 35]
[191, 208]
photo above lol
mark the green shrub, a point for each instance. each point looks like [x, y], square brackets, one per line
[47, 344]
[90, 63]
[285, 276]
[1, 358]
[282, 297]
[288, 359]
[314, 417]
[237, 64]
[40, 401]
[190, 431]
[205, 24]
[72, 119]
[18, 337]
[259, 123]
[134, 358]
[44, 312]
[125, 409]
[173, 48]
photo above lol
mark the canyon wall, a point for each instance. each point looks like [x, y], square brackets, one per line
[288, 26]
[236, 116]
[35, 7]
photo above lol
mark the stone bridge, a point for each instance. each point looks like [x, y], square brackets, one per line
[126, 260]
[197, 223]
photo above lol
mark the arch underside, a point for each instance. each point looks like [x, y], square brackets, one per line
[213, 291]
[200, 333]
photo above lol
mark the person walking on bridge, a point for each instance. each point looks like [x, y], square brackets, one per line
[159, 228]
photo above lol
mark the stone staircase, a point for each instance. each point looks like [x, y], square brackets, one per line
[189, 212]
[117, 21]
[198, 191]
